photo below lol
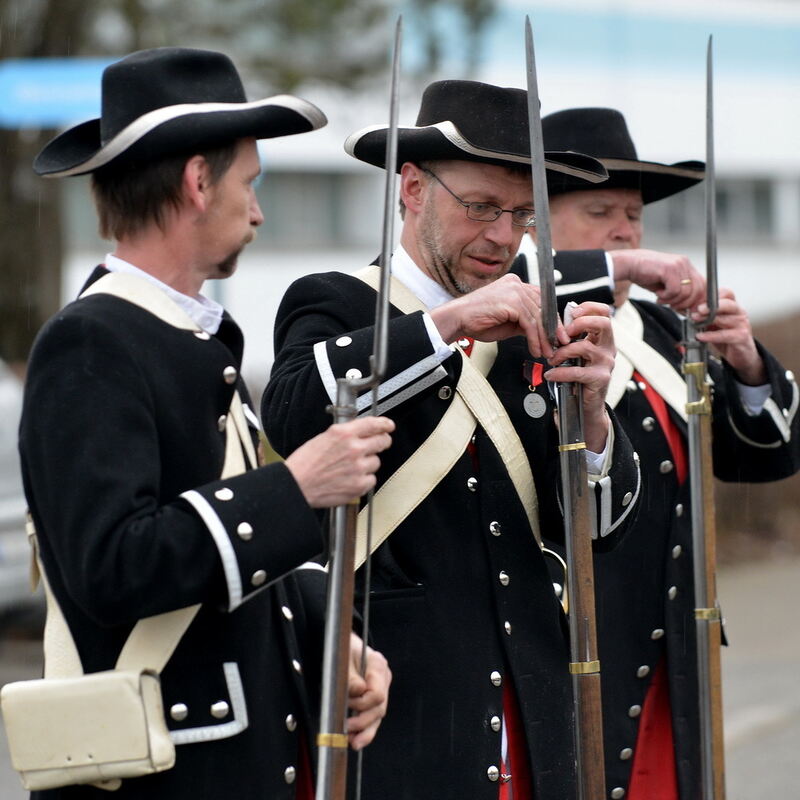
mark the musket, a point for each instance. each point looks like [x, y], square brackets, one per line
[585, 664]
[332, 738]
[708, 622]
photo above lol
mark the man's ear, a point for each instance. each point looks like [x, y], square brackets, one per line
[413, 187]
[197, 182]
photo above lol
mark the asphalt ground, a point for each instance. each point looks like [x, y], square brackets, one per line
[761, 679]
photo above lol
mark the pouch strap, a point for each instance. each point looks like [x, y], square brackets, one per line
[475, 402]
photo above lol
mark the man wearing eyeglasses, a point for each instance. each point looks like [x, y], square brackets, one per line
[461, 600]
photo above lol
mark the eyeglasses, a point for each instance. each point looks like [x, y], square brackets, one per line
[489, 212]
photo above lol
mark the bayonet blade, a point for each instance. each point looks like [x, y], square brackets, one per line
[544, 247]
[711, 193]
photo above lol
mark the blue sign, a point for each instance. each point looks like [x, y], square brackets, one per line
[49, 92]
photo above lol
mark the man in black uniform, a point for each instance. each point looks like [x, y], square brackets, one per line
[461, 600]
[130, 411]
[645, 597]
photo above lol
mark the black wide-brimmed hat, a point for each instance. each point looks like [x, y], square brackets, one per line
[603, 133]
[469, 121]
[167, 101]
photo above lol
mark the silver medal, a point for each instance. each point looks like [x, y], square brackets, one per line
[534, 405]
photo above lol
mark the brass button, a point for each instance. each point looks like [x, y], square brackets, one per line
[224, 494]
[245, 531]
[179, 712]
[472, 484]
[259, 578]
[445, 393]
[230, 374]
[496, 678]
[220, 710]
[495, 723]
[493, 774]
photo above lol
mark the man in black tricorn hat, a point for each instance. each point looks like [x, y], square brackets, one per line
[645, 596]
[461, 600]
[138, 444]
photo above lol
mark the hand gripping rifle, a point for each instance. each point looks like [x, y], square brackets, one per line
[332, 739]
[708, 623]
[585, 665]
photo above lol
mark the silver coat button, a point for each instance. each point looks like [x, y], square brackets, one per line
[230, 374]
[353, 374]
[472, 484]
[643, 671]
[634, 711]
[789, 375]
[642, 385]
[224, 494]
[496, 678]
[289, 774]
[445, 393]
[672, 592]
[676, 551]
[558, 589]
[179, 712]
[617, 793]
[343, 341]
[259, 578]
[665, 467]
[220, 710]
[287, 613]
[503, 578]
[657, 633]
[630, 386]
[507, 627]
[495, 528]
[297, 665]
[626, 500]
[679, 510]
[495, 723]
[493, 774]
[625, 753]
[463, 342]
[202, 335]
[244, 530]
[291, 723]
[221, 422]
[648, 423]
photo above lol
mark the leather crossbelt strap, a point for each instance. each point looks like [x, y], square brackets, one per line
[634, 353]
[153, 639]
[475, 402]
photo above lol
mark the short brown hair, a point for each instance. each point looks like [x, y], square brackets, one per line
[130, 196]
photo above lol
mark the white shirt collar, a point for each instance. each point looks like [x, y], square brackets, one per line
[413, 278]
[205, 312]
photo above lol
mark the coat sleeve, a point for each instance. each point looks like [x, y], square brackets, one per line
[116, 544]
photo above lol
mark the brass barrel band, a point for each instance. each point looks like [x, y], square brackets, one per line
[332, 740]
[584, 667]
[707, 613]
[563, 448]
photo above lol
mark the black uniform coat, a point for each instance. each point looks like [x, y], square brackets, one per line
[645, 589]
[121, 417]
[462, 602]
